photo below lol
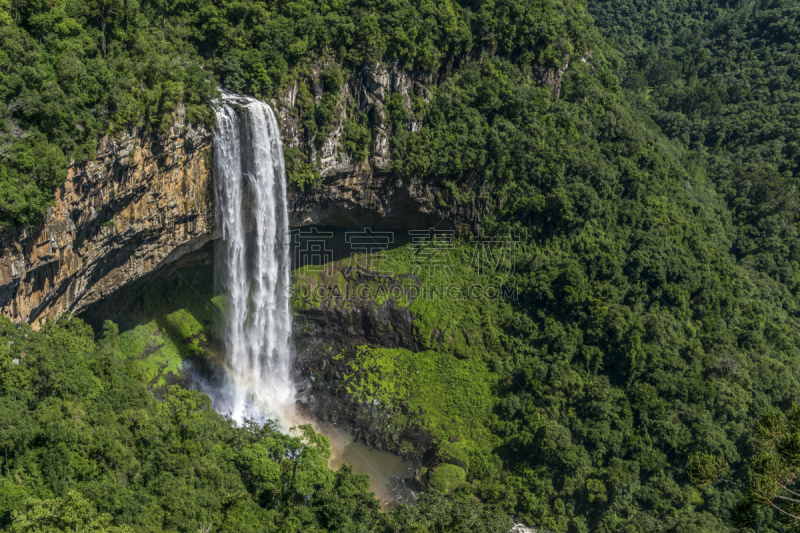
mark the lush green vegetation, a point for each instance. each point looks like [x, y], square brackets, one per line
[771, 473]
[85, 446]
[722, 78]
[658, 274]
[71, 71]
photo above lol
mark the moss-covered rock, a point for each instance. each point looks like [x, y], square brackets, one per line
[454, 453]
[447, 478]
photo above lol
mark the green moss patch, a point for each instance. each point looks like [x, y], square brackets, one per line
[174, 319]
[447, 478]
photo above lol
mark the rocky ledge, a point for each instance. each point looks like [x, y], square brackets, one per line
[141, 203]
[146, 201]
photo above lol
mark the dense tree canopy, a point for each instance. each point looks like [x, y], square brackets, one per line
[658, 276]
[73, 70]
[724, 79]
[85, 446]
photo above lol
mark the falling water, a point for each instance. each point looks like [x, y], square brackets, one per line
[252, 262]
[252, 269]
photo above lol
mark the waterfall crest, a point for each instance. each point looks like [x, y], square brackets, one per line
[252, 260]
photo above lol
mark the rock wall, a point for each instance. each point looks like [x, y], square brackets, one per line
[144, 202]
[141, 203]
[360, 193]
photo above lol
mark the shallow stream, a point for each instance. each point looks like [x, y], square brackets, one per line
[390, 476]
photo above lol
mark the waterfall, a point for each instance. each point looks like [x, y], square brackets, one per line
[252, 261]
[252, 269]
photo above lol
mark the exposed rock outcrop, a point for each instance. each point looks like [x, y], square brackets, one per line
[360, 193]
[366, 199]
[142, 203]
[368, 193]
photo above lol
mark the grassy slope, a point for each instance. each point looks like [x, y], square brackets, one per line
[172, 320]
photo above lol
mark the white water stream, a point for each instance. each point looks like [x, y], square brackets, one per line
[252, 261]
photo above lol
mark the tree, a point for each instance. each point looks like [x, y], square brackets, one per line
[771, 475]
[104, 10]
[73, 513]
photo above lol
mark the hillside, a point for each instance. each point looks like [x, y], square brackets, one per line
[646, 157]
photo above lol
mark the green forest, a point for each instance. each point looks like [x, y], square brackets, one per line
[647, 377]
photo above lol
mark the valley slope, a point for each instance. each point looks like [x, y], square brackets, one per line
[655, 280]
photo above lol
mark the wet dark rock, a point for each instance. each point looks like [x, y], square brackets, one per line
[326, 340]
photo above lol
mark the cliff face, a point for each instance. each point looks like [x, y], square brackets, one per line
[140, 204]
[145, 202]
[359, 193]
